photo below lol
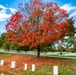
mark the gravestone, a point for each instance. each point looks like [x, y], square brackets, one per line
[2, 62]
[33, 67]
[55, 69]
[13, 64]
[25, 67]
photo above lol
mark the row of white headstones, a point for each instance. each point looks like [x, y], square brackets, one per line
[13, 65]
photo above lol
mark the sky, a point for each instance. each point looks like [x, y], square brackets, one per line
[9, 7]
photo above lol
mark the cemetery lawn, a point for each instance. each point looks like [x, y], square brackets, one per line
[44, 65]
[4, 55]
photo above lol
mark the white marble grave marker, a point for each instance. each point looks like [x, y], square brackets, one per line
[55, 69]
[25, 67]
[2, 74]
[13, 64]
[2, 62]
[33, 67]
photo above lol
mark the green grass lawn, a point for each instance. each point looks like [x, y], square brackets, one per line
[4, 55]
[62, 56]
[45, 70]
[57, 56]
[66, 67]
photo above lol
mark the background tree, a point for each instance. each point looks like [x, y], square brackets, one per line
[23, 48]
[6, 45]
[36, 24]
[2, 39]
[1, 44]
[47, 47]
[14, 45]
[70, 28]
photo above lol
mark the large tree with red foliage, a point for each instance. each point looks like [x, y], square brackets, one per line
[37, 23]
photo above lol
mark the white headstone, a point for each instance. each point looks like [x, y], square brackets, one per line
[2, 74]
[55, 68]
[25, 67]
[33, 67]
[13, 64]
[2, 62]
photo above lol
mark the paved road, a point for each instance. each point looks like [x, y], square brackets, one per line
[48, 54]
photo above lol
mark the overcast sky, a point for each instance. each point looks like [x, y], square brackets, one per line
[9, 7]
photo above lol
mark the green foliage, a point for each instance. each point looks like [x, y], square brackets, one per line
[14, 45]
[47, 47]
[74, 42]
[2, 39]
[1, 44]
[6, 45]
[70, 29]
[23, 48]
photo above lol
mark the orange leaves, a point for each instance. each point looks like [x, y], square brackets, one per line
[35, 8]
[36, 13]
[10, 34]
[14, 20]
[44, 22]
[35, 2]
[15, 17]
[47, 15]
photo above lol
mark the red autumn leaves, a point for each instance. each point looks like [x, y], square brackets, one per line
[21, 60]
[44, 23]
[14, 20]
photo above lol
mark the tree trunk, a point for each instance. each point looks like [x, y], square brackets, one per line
[38, 51]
